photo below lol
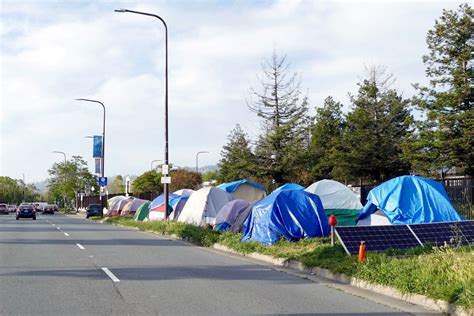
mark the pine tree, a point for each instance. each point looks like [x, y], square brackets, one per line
[237, 160]
[282, 148]
[326, 133]
[445, 137]
[376, 128]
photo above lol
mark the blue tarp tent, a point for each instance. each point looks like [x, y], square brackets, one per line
[289, 186]
[233, 186]
[244, 190]
[410, 200]
[160, 200]
[292, 214]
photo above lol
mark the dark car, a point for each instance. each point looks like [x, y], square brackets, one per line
[49, 209]
[94, 210]
[26, 211]
[4, 209]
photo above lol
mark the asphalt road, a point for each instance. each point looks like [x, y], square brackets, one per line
[64, 265]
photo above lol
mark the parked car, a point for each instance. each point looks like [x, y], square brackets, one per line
[49, 209]
[40, 206]
[12, 208]
[94, 210]
[26, 211]
[4, 209]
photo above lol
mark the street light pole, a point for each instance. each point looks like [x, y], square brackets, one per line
[102, 167]
[166, 188]
[65, 160]
[24, 185]
[197, 159]
[151, 165]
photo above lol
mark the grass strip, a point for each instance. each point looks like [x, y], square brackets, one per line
[446, 274]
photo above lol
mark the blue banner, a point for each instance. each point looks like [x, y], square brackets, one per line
[97, 165]
[97, 149]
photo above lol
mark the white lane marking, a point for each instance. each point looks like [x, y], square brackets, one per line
[66, 234]
[80, 246]
[111, 275]
[58, 228]
[53, 224]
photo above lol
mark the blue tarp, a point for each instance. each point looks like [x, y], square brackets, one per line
[289, 186]
[232, 186]
[292, 214]
[411, 200]
[160, 200]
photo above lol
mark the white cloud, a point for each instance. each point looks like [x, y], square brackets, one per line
[85, 49]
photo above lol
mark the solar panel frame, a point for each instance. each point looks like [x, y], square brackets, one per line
[451, 233]
[380, 238]
[377, 238]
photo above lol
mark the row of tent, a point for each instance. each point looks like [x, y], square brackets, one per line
[293, 211]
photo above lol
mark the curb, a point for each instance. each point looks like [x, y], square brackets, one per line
[418, 299]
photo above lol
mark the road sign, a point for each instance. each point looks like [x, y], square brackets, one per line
[165, 169]
[166, 180]
[102, 181]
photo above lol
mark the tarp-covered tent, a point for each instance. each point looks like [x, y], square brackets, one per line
[184, 192]
[292, 214]
[411, 200]
[228, 214]
[142, 212]
[337, 199]
[203, 205]
[177, 206]
[244, 190]
[289, 186]
[131, 207]
[157, 206]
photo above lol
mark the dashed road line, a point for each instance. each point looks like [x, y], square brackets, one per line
[66, 234]
[58, 228]
[80, 246]
[110, 274]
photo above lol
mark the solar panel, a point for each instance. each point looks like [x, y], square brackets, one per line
[449, 232]
[377, 238]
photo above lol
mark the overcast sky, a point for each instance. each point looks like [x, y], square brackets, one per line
[53, 52]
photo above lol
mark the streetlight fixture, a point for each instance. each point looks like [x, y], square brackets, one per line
[166, 190]
[65, 160]
[197, 159]
[151, 165]
[102, 167]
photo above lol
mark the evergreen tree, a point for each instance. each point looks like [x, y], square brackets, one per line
[326, 133]
[376, 128]
[237, 160]
[445, 138]
[282, 148]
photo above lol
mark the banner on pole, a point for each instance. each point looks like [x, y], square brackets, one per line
[97, 150]
[97, 165]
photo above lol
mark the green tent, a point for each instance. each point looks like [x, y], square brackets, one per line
[344, 217]
[142, 212]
